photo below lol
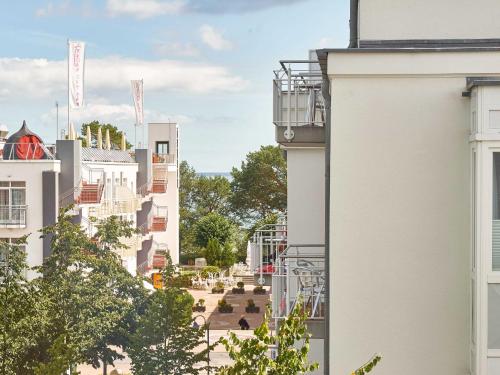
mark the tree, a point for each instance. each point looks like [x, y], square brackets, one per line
[259, 187]
[165, 342]
[251, 356]
[20, 325]
[89, 295]
[213, 226]
[114, 134]
[198, 197]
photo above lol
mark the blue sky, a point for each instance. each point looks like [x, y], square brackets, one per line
[206, 64]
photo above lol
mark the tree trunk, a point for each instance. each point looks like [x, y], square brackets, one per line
[104, 367]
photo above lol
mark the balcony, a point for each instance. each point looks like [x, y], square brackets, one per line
[299, 280]
[159, 218]
[267, 243]
[160, 178]
[299, 110]
[13, 216]
[152, 257]
[163, 158]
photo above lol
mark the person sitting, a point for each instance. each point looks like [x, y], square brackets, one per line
[243, 323]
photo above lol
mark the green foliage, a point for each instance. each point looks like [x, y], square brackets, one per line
[251, 357]
[91, 301]
[259, 289]
[114, 134]
[259, 186]
[224, 307]
[165, 339]
[220, 256]
[213, 226]
[209, 269]
[19, 324]
[369, 366]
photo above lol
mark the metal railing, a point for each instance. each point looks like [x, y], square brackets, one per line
[299, 280]
[88, 175]
[25, 151]
[13, 215]
[297, 95]
[267, 243]
[163, 158]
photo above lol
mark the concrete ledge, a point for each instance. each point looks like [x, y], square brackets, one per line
[304, 136]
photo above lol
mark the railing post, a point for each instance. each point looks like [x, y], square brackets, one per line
[289, 132]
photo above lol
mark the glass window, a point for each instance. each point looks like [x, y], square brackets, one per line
[496, 213]
[162, 148]
[494, 316]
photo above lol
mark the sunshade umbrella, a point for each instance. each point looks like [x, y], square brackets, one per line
[99, 137]
[89, 136]
[108, 140]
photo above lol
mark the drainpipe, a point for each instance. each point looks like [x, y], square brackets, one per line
[353, 24]
[325, 90]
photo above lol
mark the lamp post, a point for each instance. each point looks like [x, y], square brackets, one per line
[208, 339]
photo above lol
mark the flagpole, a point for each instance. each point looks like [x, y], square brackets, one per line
[68, 85]
[142, 86]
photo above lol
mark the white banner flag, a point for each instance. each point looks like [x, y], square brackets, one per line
[76, 65]
[137, 93]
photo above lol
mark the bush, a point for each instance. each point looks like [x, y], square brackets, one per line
[259, 290]
[251, 307]
[240, 284]
[219, 288]
[224, 307]
[240, 288]
[200, 306]
[181, 281]
[209, 269]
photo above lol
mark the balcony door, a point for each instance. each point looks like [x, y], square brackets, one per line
[162, 148]
[12, 202]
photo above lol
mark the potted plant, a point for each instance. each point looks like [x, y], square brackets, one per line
[219, 288]
[259, 290]
[251, 307]
[224, 307]
[240, 288]
[200, 306]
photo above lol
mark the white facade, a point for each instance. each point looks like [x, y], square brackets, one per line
[428, 20]
[163, 141]
[28, 172]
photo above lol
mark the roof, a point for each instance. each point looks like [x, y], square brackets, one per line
[482, 81]
[101, 155]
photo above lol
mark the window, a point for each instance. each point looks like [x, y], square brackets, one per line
[13, 202]
[162, 148]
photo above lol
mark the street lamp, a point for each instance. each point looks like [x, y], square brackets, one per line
[208, 339]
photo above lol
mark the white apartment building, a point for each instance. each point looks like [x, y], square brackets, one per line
[28, 191]
[412, 144]
[99, 182]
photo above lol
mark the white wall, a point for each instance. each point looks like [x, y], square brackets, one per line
[168, 132]
[400, 217]
[417, 19]
[306, 195]
[31, 172]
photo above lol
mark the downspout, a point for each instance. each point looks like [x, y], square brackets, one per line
[325, 90]
[353, 24]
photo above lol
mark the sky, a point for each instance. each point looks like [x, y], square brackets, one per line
[206, 64]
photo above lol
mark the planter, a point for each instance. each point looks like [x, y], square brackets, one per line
[259, 291]
[252, 309]
[238, 290]
[199, 308]
[226, 309]
[217, 291]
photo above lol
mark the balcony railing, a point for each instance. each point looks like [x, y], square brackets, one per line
[163, 158]
[297, 95]
[25, 151]
[156, 258]
[159, 218]
[13, 216]
[267, 243]
[299, 280]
